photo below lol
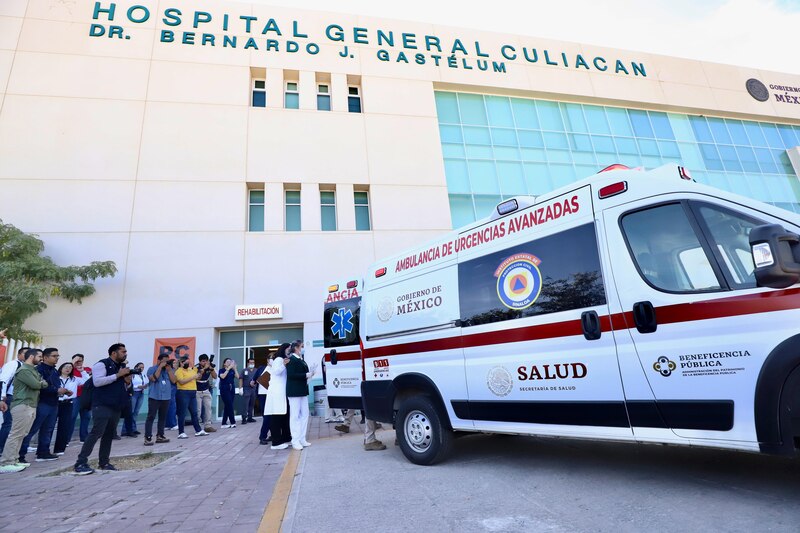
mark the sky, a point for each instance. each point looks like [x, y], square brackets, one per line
[752, 33]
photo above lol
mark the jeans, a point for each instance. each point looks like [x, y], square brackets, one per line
[128, 424]
[104, 428]
[187, 398]
[156, 406]
[64, 425]
[6, 429]
[265, 423]
[136, 405]
[172, 418]
[44, 424]
[227, 408]
[86, 417]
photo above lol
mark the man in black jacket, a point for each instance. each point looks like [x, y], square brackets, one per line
[47, 410]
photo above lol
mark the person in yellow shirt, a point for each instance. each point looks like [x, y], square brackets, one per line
[187, 376]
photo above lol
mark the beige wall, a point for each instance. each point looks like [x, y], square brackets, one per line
[142, 152]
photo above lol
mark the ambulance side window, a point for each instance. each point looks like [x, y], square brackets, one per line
[560, 272]
[667, 251]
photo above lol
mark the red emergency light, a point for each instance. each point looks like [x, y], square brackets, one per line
[380, 272]
[612, 190]
[684, 174]
[352, 284]
[615, 166]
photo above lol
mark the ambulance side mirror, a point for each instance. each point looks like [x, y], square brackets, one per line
[334, 357]
[776, 256]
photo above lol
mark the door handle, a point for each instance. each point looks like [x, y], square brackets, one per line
[644, 316]
[590, 323]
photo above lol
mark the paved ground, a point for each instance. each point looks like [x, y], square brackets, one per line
[504, 483]
[223, 481]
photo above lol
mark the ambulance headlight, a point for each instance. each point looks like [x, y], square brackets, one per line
[762, 255]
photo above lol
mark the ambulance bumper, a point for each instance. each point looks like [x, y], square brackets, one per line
[378, 397]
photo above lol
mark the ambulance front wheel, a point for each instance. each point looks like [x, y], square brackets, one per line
[421, 431]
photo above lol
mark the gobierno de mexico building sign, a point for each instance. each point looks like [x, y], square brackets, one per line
[270, 35]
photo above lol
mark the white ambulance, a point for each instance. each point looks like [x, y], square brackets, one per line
[343, 374]
[632, 306]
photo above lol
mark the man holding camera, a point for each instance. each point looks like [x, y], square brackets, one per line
[206, 371]
[160, 376]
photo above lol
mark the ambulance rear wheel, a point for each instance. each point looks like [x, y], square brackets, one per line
[421, 432]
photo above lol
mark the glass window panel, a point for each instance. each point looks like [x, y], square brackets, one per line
[583, 157]
[483, 177]
[771, 134]
[457, 176]
[256, 218]
[328, 218]
[596, 119]
[362, 218]
[292, 101]
[256, 197]
[701, 130]
[354, 104]
[559, 156]
[475, 151]
[533, 154]
[259, 99]
[580, 142]
[506, 152]
[736, 129]
[353, 90]
[453, 150]
[729, 158]
[738, 183]
[681, 127]
[499, 108]
[292, 218]
[504, 137]
[719, 131]
[260, 84]
[711, 156]
[524, 113]
[512, 178]
[361, 198]
[472, 109]
[549, 115]
[648, 147]
[291, 86]
[461, 210]
[661, 126]
[292, 197]
[327, 198]
[584, 171]
[619, 122]
[556, 141]
[475, 135]
[747, 157]
[626, 146]
[787, 134]
[537, 178]
[629, 160]
[484, 205]
[754, 134]
[447, 108]
[323, 102]
[530, 139]
[719, 180]
[562, 175]
[229, 339]
[651, 161]
[758, 188]
[451, 134]
[669, 149]
[783, 161]
[765, 161]
[603, 144]
[574, 119]
[641, 123]
[778, 189]
[690, 156]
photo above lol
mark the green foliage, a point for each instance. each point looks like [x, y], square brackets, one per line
[28, 280]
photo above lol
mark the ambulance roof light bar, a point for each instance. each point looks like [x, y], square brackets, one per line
[615, 166]
[352, 284]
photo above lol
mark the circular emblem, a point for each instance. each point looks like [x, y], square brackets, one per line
[385, 310]
[519, 281]
[757, 90]
[664, 366]
[336, 382]
[499, 381]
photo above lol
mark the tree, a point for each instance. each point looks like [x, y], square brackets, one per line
[28, 279]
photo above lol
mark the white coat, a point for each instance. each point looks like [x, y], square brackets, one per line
[275, 403]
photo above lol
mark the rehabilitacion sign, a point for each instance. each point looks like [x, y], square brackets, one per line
[248, 32]
[257, 312]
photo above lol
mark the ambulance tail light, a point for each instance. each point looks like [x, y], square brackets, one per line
[380, 272]
[612, 190]
[615, 166]
[333, 288]
[352, 284]
[684, 174]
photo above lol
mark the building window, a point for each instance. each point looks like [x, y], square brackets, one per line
[323, 97]
[353, 99]
[327, 200]
[255, 215]
[362, 210]
[292, 210]
[259, 93]
[291, 97]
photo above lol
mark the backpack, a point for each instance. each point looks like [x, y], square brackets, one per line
[86, 395]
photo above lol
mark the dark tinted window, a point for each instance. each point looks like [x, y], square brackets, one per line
[556, 273]
[340, 325]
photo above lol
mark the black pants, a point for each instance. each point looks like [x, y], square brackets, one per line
[227, 408]
[104, 426]
[279, 427]
[63, 426]
[156, 406]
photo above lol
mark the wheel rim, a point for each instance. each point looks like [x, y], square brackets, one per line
[418, 432]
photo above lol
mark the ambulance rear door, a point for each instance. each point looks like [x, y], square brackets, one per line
[342, 360]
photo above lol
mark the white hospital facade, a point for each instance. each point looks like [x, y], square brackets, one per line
[227, 154]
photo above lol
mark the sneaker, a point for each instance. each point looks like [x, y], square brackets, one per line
[297, 447]
[280, 446]
[23, 464]
[200, 433]
[117, 437]
[244, 421]
[224, 426]
[374, 445]
[22, 460]
[59, 453]
[378, 425]
[305, 443]
[83, 469]
[161, 439]
[263, 441]
[173, 428]
[10, 469]
[210, 429]
[46, 457]
[148, 441]
[251, 420]
[232, 426]
[31, 449]
[183, 436]
[109, 467]
[136, 433]
[342, 428]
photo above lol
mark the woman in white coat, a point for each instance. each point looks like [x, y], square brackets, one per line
[276, 406]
